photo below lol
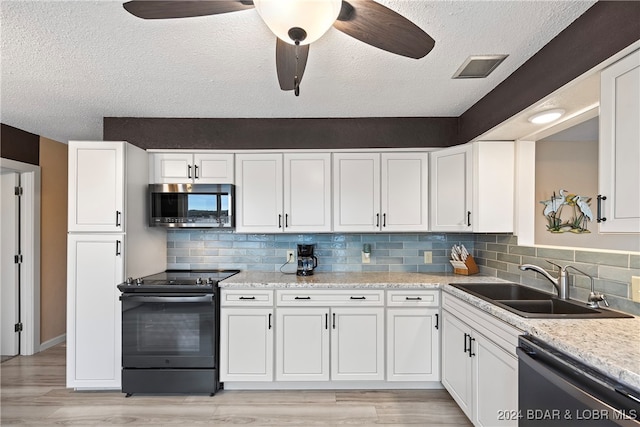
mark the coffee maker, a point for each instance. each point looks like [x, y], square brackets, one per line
[306, 260]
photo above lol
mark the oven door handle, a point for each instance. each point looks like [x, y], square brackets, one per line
[161, 298]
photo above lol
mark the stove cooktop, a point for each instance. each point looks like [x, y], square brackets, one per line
[177, 281]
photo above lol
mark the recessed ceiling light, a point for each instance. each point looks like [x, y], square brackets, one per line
[546, 116]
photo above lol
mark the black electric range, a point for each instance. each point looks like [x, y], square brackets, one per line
[177, 281]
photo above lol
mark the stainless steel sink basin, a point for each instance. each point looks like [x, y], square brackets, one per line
[531, 303]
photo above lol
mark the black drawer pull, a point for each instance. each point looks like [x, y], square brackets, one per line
[413, 298]
[302, 298]
[247, 298]
[358, 297]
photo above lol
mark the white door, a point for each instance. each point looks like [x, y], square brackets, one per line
[172, 168]
[9, 269]
[95, 265]
[456, 362]
[246, 344]
[357, 344]
[356, 192]
[307, 192]
[413, 348]
[259, 193]
[96, 186]
[213, 168]
[302, 344]
[451, 191]
[496, 385]
[405, 192]
[619, 174]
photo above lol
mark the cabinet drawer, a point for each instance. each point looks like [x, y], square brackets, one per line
[315, 298]
[413, 298]
[248, 297]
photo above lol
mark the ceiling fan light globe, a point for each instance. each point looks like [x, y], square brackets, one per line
[315, 17]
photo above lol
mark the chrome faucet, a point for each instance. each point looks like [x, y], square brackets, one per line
[594, 297]
[561, 283]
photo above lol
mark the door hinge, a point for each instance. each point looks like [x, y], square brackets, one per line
[18, 191]
[17, 259]
[18, 327]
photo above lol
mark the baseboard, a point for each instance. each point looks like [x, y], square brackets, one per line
[53, 342]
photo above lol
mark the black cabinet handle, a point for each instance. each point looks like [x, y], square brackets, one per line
[437, 321]
[357, 297]
[471, 340]
[384, 220]
[468, 218]
[247, 298]
[334, 320]
[302, 298]
[118, 216]
[286, 220]
[189, 171]
[270, 320]
[280, 221]
[118, 249]
[599, 217]
[196, 172]
[465, 341]
[326, 321]
[413, 298]
[377, 220]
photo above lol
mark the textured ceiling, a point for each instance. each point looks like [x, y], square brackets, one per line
[67, 64]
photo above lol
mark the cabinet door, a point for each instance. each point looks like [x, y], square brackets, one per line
[259, 193]
[302, 344]
[451, 191]
[246, 344]
[356, 192]
[496, 383]
[96, 186]
[357, 344]
[405, 192]
[95, 265]
[212, 168]
[456, 363]
[619, 174]
[413, 350]
[172, 168]
[493, 186]
[307, 192]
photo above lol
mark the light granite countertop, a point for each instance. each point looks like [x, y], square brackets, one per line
[609, 345]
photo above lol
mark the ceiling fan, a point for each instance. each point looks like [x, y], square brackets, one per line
[297, 23]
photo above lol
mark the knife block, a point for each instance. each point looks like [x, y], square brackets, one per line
[466, 267]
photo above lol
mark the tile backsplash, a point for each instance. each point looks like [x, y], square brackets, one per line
[496, 255]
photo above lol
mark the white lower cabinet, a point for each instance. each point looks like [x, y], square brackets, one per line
[246, 336]
[479, 365]
[338, 343]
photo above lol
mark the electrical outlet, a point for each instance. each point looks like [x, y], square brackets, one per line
[635, 288]
[428, 257]
[291, 256]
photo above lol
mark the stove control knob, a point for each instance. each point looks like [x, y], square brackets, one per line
[209, 281]
[129, 281]
[199, 281]
[139, 281]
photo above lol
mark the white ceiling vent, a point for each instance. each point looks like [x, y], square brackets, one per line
[478, 66]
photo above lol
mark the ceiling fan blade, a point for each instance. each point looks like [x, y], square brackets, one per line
[290, 62]
[379, 26]
[151, 9]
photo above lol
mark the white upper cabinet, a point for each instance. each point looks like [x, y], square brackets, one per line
[283, 192]
[619, 174]
[96, 186]
[187, 168]
[472, 187]
[380, 192]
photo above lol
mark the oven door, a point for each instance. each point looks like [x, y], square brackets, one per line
[168, 331]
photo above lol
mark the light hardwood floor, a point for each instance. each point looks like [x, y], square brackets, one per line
[33, 393]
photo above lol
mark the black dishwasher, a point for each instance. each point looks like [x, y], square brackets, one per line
[558, 390]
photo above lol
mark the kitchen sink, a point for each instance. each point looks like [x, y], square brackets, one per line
[531, 303]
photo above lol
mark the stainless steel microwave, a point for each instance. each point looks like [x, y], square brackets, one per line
[191, 205]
